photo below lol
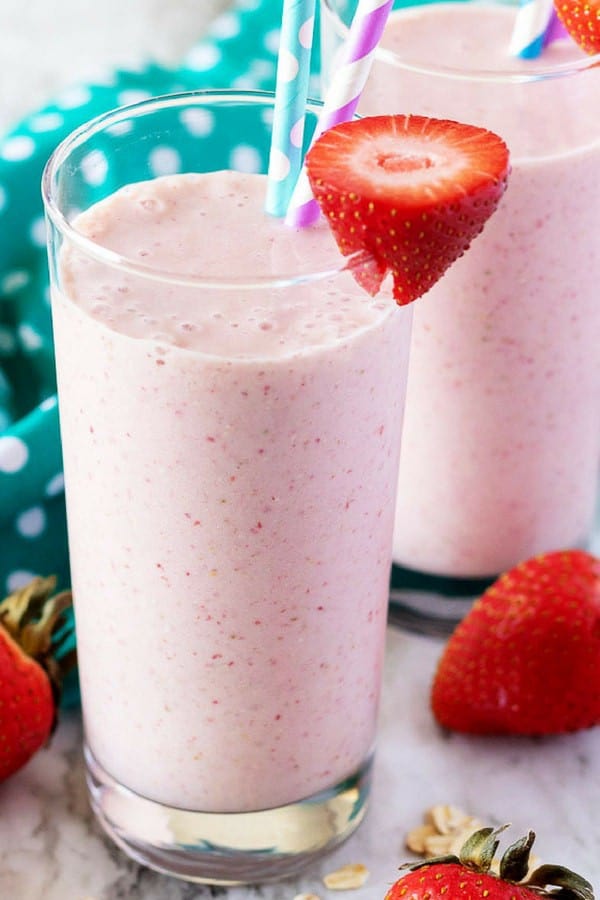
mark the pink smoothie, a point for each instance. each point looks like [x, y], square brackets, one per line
[502, 432]
[230, 462]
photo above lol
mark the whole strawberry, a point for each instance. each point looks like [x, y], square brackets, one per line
[581, 18]
[526, 659]
[407, 194]
[469, 876]
[31, 627]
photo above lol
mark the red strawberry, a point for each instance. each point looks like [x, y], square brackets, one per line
[412, 192]
[468, 876]
[30, 626]
[581, 18]
[526, 659]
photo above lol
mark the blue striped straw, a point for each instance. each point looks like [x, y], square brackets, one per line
[291, 93]
[532, 22]
[343, 94]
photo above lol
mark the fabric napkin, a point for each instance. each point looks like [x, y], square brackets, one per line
[239, 51]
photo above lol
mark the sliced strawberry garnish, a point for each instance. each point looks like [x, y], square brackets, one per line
[581, 18]
[409, 191]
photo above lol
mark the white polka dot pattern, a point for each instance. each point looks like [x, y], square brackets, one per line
[203, 57]
[239, 50]
[127, 98]
[164, 161]
[271, 41]
[51, 121]
[7, 341]
[18, 579]
[32, 522]
[13, 454]
[120, 128]
[14, 281]
[17, 148]
[199, 122]
[94, 167]
[29, 337]
[56, 485]
[245, 158]
[37, 232]
[293, 71]
[74, 97]
[226, 26]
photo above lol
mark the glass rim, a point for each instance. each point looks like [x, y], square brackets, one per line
[112, 258]
[539, 71]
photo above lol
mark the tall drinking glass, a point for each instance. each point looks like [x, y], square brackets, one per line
[501, 444]
[231, 405]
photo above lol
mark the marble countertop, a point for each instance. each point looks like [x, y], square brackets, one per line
[51, 848]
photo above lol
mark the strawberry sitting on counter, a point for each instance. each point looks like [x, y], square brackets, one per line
[469, 876]
[31, 670]
[526, 659]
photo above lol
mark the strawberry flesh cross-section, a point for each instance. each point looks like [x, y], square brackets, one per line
[407, 194]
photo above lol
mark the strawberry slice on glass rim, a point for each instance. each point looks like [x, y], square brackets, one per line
[581, 18]
[409, 192]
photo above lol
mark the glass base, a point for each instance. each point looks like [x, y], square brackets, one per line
[227, 848]
[435, 604]
[431, 604]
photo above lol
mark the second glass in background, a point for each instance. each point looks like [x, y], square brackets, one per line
[501, 442]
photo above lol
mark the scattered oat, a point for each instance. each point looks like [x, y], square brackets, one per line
[347, 878]
[306, 897]
[415, 839]
[438, 845]
[445, 830]
[447, 819]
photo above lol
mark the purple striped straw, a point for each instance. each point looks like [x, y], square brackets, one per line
[343, 94]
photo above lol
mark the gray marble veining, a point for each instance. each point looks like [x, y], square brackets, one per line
[51, 848]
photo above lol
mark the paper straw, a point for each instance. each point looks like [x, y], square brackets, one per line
[343, 94]
[555, 31]
[532, 24]
[291, 93]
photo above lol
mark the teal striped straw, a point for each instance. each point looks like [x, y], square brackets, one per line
[291, 93]
[532, 23]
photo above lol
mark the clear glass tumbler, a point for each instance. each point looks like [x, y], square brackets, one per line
[501, 444]
[231, 407]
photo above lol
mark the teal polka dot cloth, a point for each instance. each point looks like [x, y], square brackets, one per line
[239, 51]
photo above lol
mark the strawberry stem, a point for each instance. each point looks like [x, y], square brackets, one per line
[514, 864]
[477, 854]
[479, 849]
[35, 620]
[570, 885]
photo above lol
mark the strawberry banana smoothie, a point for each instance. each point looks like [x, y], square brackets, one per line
[501, 442]
[230, 457]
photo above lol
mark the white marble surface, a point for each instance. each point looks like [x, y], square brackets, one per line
[48, 46]
[51, 849]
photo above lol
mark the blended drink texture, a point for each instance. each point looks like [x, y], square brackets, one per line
[501, 442]
[230, 459]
